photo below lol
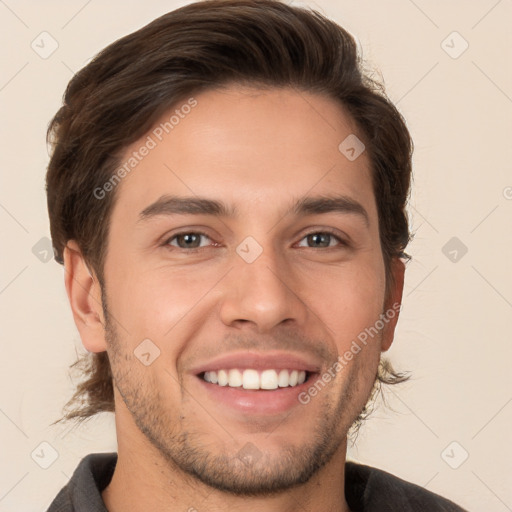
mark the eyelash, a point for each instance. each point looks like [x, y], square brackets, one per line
[166, 243]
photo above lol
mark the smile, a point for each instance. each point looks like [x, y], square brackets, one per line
[253, 379]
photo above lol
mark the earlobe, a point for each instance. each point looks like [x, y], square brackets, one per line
[393, 303]
[84, 294]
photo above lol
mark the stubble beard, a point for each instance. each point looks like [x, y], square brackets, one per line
[183, 449]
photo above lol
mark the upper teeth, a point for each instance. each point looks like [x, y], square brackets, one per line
[252, 379]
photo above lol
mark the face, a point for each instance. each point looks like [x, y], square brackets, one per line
[243, 261]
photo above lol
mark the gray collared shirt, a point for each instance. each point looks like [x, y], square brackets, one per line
[367, 489]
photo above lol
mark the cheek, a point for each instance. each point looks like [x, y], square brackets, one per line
[351, 303]
[151, 303]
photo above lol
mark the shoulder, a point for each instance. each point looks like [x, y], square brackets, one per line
[371, 489]
[83, 491]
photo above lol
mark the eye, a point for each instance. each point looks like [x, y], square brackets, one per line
[190, 240]
[187, 240]
[322, 239]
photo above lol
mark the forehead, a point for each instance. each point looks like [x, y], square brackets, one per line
[248, 147]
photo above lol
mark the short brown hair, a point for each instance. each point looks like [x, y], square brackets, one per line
[127, 87]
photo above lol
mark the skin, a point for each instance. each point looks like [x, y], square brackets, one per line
[258, 150]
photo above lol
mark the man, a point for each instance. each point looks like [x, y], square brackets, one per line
[227, 192]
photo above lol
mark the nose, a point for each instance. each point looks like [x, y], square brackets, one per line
[263, 293]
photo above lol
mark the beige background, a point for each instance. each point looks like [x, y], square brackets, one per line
[454, 330]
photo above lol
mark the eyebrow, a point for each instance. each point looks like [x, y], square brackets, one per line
[180, 205]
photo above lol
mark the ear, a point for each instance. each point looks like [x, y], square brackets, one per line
[84, 294]
[393, 303]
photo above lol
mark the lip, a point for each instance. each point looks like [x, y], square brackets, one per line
[256, 402]
[258, 361]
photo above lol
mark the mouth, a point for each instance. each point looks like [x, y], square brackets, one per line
[253, 379]
[256, 383]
